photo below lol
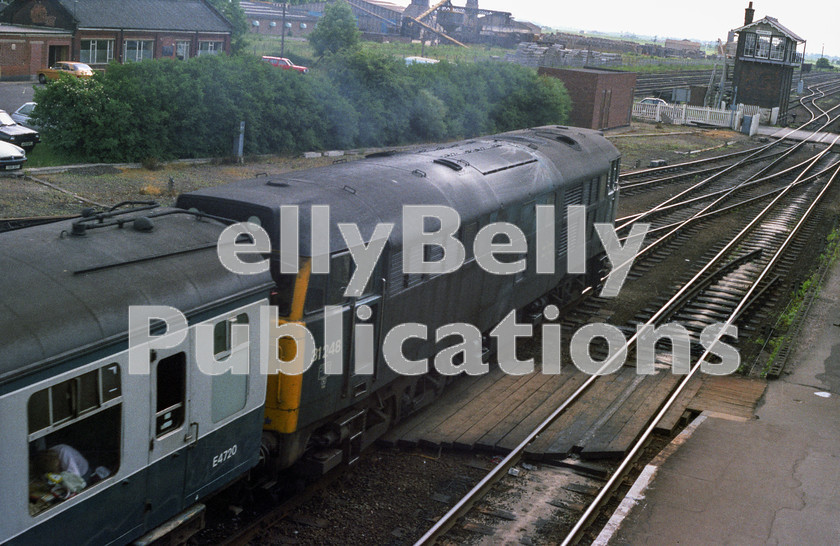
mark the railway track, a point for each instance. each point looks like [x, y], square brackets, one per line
[654, 178]
[739, 274]
[734, 282]
[721, 283]
[723, 289]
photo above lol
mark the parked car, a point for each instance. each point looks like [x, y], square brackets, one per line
[284, 63]
[654, 101]
[16, 134]
[11, 157]
[23, 115]
[80, 70]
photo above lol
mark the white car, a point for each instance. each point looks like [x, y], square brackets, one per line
[11, 157]
[654, 101]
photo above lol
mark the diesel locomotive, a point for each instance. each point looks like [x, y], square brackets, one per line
[150, 442]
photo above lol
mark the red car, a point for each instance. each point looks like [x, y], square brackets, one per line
[284, 63]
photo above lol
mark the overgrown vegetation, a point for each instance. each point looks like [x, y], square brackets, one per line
[336, 30]
[809, 287]
[167, 109]
[823, 64]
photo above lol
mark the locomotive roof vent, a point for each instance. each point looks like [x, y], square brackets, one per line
[454, 165]
[569, 140]
[143, 223]
[280, 184]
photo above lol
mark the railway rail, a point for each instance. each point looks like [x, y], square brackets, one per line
[736, 281]
[730, 274]
[735, 275]
[738, 275]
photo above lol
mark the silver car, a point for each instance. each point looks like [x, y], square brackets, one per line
[22, 114]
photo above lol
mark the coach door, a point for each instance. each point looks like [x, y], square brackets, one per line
[170, 432]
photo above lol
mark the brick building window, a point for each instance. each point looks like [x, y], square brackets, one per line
[182, 49]
[210, 48]
[137, 50]
[97, 51]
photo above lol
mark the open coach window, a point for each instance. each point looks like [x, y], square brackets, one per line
[74, 436]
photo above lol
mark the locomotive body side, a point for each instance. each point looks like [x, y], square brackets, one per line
[485, 181]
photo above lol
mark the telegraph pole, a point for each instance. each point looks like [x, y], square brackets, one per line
[283, 33]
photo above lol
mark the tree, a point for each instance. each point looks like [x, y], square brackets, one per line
[234, 13]
[822, 62]
[336, 30]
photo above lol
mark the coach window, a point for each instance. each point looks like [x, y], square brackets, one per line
[171, 393]
[74, 436]
[224, 337]
[229, 391]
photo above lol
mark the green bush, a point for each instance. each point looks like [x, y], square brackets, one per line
[168, 109]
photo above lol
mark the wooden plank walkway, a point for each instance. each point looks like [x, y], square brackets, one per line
[495, 412]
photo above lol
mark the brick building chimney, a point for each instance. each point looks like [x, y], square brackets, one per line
[748, 14]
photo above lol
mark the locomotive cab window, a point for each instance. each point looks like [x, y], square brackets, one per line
[74, 436]
[340, 271]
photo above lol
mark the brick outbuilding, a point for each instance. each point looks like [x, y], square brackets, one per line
[601, 99]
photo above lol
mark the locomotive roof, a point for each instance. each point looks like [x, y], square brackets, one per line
[64, 294]
[474, 177]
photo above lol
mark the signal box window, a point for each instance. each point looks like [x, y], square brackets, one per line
[74, 436]
[171, 392]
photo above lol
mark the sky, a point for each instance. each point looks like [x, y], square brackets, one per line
[700, 21]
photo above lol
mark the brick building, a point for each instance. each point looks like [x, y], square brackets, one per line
[765, 60]
[37, 33]
[601, 99]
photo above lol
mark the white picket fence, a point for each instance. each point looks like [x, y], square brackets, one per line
[680, 114]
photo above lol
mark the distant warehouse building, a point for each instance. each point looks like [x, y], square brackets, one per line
[271, 18]
[684, 48]
[601, 99]
[37, 33]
